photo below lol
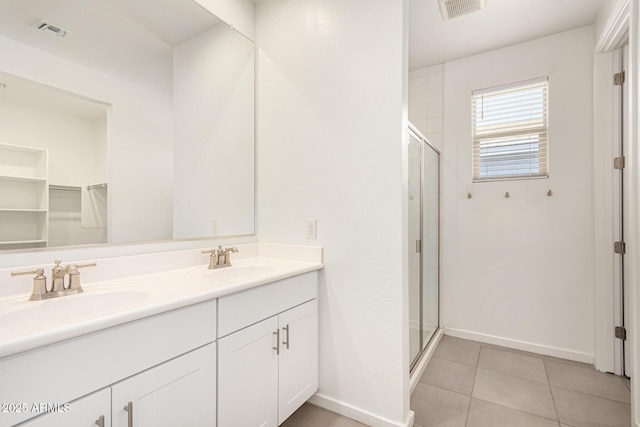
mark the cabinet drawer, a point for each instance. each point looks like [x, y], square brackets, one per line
[245, 308]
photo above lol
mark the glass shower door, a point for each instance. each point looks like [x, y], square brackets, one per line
[415, 213]
[423, 170]
[430, 243]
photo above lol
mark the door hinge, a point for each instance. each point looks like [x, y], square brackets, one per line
[619, 78]
[621, 332]
[620, 248]
[418, 246]
[619, 162]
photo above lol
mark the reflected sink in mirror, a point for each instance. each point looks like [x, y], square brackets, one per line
[233, 274]
[89, 304]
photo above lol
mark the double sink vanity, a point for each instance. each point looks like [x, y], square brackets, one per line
[231, 345]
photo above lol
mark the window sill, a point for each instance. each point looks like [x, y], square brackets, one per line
[509, 178]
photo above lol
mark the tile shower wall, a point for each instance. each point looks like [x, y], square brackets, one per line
[426, 102]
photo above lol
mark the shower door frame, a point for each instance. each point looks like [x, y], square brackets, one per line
[413, 131]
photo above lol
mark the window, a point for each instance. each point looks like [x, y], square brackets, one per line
[510, 131]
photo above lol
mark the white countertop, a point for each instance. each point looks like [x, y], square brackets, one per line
[26, 325]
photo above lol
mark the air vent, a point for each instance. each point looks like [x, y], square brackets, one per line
[455, 8]
[46, 27]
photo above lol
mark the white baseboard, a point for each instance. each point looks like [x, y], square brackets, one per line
[522, 345]
[357, 414]
[424, 361]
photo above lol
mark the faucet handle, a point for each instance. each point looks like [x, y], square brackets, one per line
[57, 266]
[37, 272]
[74, 275]
[39, 283]
[213, 258]
[93, 264]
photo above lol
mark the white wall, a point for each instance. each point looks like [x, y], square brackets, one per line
[331, 95]
[214, 134]
[520, 271]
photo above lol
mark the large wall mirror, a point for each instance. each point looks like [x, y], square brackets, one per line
[123, 121]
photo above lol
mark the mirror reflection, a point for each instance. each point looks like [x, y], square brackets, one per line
[123, 121]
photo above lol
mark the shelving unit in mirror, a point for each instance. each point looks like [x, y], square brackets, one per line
[24, 197]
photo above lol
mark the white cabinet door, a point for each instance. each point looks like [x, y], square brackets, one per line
[89, 411]
[180, 392]
[298, 357]
[248, 377]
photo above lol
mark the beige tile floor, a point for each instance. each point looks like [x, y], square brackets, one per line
[469, 384]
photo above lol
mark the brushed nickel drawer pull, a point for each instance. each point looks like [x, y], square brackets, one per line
[286, 329]
[277, 347]
[129, 409]
[100, 421]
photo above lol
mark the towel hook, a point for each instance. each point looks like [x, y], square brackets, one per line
[549, 193]
[507, 195]
[469, 195]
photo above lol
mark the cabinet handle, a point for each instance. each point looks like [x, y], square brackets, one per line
[286, 329]
[129, 409]
[100, 421]
[277, 347]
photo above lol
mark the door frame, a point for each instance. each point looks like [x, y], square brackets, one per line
[607, 114]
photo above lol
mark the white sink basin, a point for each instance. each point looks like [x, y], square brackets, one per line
[89, 304]
[233, 274]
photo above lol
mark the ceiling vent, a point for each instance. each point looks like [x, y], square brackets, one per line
[455, 8]
[46, 27]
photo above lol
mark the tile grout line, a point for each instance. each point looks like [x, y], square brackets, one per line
[466, 421]
[519, 410]
[553, 399]
[591, 395]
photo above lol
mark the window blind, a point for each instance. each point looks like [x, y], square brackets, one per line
[510, 131]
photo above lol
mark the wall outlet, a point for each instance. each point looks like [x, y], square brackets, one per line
[311, 229]
[215, 227]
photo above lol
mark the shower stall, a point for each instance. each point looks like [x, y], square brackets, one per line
[423, 170]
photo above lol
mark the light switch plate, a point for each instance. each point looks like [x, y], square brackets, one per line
[215, 227]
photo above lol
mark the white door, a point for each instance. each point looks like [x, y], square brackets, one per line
[89, 411]
[180, 392]
[248, 376]
[298, 357]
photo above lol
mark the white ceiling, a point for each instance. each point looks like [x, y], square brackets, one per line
[502, 23]
[132, 40]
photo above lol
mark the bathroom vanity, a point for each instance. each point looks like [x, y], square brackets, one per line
[190, 346]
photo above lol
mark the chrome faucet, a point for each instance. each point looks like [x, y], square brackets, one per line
[58, 286]
[220, 257]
